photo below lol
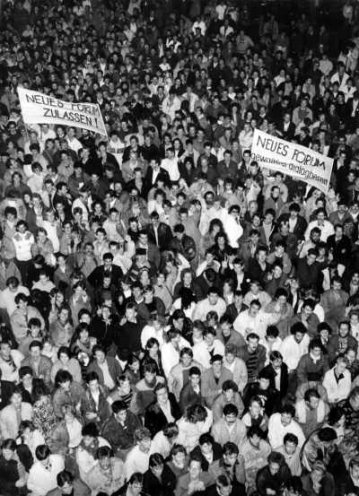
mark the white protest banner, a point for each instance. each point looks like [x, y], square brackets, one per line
[292, 159]
[38, 108]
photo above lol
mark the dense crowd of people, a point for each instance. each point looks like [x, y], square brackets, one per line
[176, 319]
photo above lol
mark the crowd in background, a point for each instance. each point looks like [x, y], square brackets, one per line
[176, 319]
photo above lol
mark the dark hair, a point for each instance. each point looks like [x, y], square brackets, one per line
[64, 477]
[206, 438]
[230, 448]
[90, 430]
[255, 430]
[291, 438]
[230, 409]
[9, 444]
[61, 377]
[288, 409]
[104, 452]
[327, 434]
[156, 460]
[136, 478]
[227, 385]
[118, 406]
[42, 452]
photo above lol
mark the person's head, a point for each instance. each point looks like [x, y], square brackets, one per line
[224, 485]
[89, 434]
[275, 460]
[63, 380]
[206, 443]
[186, 357]
[194, 376]
[294, 486]
[65, 481]
[252, 342]
[195, 467]
[344, 329]
[156, 464]
[161, 393]
[149, 372]
[216, 363]
[16, 398]
[254, 307]
[341, 365]
[255, 435]
[230, 414]
[287, 413]
[327, 436]
[213, 295]
[142, 437]
[42, 454]
[136, 483]
[104, 455]
[312, 398]
[264, 379]
[229, 389]
[315, 348]
[8, 449]
[298, 330]
[178, 455]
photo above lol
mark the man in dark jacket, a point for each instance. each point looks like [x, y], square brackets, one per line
[273, 475]
[158, 232]
[164, 410]
[120, 427]
[97, 275]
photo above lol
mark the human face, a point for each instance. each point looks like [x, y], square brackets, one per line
[145, 445]
[162, 396]
[217, 367]
[229, 459]
[274, 468]
[186, 360]
[194, 469]
[230, 357]
[67, 488]
[213, 298]
[313, 403]
[230, 419]
[35, 352]
[255, 440]
[290, 448]
[179, 459]
[16, 400]
[136, 488]
[285, 419]
[150, 377]
[298, 336]
[64, 358]
[252, 345]
[100, 356]
[343, 330]
[254, 309]
[340, 368]
[105, 462]
[7, 454]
